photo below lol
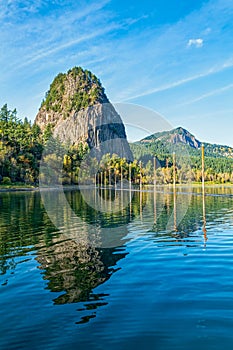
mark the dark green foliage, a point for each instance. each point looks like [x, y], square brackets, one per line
[6, 180]
[63, 98]
[54, 96]
[21, 147]
[218, 159]
[163, 142]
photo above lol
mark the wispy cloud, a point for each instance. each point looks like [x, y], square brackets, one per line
[213, 70]
[209, 94]
[163, 60]
[64, 30]
[210, 115]
[9, 8]
[66, 45]
[195, 42]
[42, 37]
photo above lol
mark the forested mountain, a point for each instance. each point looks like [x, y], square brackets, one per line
[180, 139]
[175, 136]
[218, 158]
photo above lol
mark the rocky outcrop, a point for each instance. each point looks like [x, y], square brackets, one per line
[99, 126]
[184, 136]
[77, 109]
[175, 136]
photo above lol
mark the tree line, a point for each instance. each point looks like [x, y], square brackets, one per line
[22, 145]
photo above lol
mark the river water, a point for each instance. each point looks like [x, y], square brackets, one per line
[106, 269]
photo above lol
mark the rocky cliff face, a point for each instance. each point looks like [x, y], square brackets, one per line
[78, 110]
[183, 136]
[175, 136]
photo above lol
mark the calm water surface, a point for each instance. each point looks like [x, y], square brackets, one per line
[154, 274]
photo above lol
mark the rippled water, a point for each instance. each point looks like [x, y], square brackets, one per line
[150, 271]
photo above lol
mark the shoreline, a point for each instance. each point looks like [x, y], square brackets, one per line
[76, 187]
[18, 189]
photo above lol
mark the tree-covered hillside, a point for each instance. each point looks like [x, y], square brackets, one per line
[181, 140]
[22, 145]
[61, 96]
[218, 158]
[20, 148]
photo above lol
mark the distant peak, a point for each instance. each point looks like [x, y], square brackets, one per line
[179, 128]
[178, 135]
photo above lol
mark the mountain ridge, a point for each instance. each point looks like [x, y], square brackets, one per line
[174, 136]
[180, 137]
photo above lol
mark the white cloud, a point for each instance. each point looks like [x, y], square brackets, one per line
[195, 42]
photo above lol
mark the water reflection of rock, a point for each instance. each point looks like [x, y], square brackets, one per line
[85, 252]
[76, 269]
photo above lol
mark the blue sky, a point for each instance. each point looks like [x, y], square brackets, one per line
[175, 57]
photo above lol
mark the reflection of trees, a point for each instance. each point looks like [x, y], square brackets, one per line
[73, 265]
[118, 211]
[73, 269]
[188, 224]
[195, 215]
[24, 223]
[21, 218]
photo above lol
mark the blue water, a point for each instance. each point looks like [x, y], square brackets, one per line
[158, 288]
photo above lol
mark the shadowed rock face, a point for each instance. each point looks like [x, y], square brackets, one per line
[99, 126]
[78, 110]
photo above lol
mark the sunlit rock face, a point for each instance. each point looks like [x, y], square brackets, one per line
[77, 110]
